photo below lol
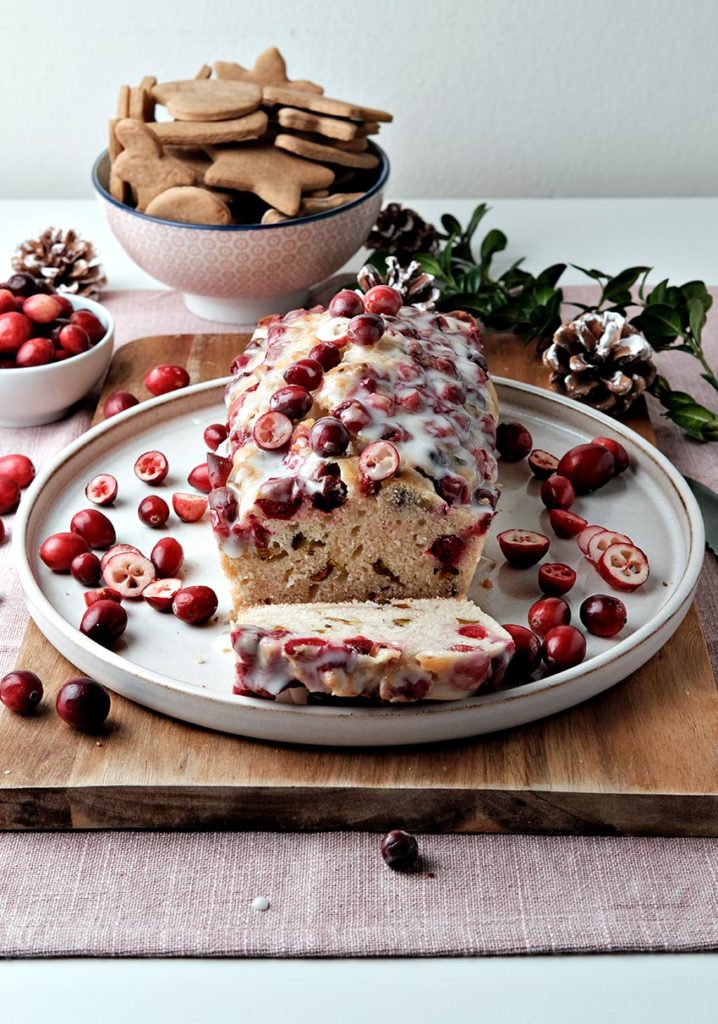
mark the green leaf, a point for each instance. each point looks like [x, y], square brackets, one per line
[495, 241]
[697, 290]
[476, 217]
[617, 289]
[451, 224]
[428, 263]
[597, 275]
[661, 324]
[551, 275]
[696, 317]
[658, 293]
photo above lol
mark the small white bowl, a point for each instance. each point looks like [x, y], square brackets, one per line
[31, 396]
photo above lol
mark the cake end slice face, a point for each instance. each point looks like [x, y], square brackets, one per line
[398, 652]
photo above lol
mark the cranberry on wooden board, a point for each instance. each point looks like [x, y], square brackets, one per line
[104, 622]
[513, 441]
[556, 578]
[83, 703]
[557, 492]
[35, 352]
[162, 379]
[603, 615]
[199, 478]
[548, 612]
[153, 511]
[9, 495]
[346, 303]
[563, 647]
[523, 548]
[19, 468]
[151, 467]
[94, 526]
[21, 691]
[366, 329]
[117, 402]
[58, 550]
[85, 568]
[102, 489]
[195, 605]
[619, 453]
[167, 557]
[272, 431]
[399, 849]
[189, 507]
[542, 464]
[383, 299]
[527, 653]
[566, 524]
[588, 467]
[214, 435]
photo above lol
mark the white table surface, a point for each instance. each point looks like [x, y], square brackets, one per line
[677, 237]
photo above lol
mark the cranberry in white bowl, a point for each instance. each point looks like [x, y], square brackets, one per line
[31, 396]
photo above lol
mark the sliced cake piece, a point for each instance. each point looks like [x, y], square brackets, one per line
[403, 651]
[362, 456]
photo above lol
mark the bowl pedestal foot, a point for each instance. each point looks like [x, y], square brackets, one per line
[243, 312]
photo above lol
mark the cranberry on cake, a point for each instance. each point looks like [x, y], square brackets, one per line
[402, 651]
[362, 457]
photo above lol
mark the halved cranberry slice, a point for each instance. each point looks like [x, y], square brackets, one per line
[566, 524]
[160, 594]
[118, 549]
[556, 578]
[586, 534]
[379, 461]
[151, 467]
[623, 566]
[102, 489]
[602, 540]
[542, 464]
[101, 594]
[523, 548]
[272, 430]
[189, 507]
[199, 478]
[129, 574]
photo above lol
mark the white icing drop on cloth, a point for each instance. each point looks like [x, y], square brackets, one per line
[260, 903]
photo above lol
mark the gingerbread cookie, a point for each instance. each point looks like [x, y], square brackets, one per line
[303, 121]
[313, 204]
[143, 165]
[189, 205]
[270, 68]
[281, 96]
[204, 72]
[195, 159]
[325, 154]
[123, 102]
[276, 177]
[142, 106]
[206, 99]
[211, 133]
[113, 143]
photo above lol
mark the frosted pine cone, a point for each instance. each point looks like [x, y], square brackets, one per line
[63, 259]
[601, 360]
[416, 286]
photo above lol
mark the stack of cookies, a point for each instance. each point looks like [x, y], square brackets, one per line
[246, 146]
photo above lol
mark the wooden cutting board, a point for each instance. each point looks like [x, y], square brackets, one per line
[641, 758]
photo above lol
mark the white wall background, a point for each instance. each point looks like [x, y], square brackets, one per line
[491, 97]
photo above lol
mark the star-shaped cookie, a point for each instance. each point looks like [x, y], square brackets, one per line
[270, 68]
[275, 176]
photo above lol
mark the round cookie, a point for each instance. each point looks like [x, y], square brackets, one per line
[207, 99]
[191, 205]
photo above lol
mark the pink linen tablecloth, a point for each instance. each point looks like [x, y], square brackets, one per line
[144, 894]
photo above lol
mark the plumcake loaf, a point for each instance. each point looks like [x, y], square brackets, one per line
[402, 651]
[362, 457]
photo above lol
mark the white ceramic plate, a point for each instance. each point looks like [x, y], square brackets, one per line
[187, 671]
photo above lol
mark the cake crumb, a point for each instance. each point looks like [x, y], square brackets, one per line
[260, 903]
[200, 661]
[486, 584]
[8, 771]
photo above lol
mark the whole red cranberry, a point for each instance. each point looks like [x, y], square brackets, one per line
[7, 301]
[383, 299]
[279, 497]
[214, 435]
[453, 489]
[59, 549]
[162, 379]
[153, 511]
[74, 340]
[19, 468]
[513, 441]
[400, 849]
[366, 329]
[548, 612]
[218, 469]
[21, 691]
[199, 478]
[23, 284]
[83, 703]
[293, 401]
[195, 605]
[94, 526]
[167, 557]
[117, 402]
[42, 309]
[66, 308]
[603, 615]
[327, 355]
[35, 352]
[14, 330]
[86, 569]
[588, 467]
[557, 492]
[83, 318]
[527, 653]
[619, 453]
[104, 622]
[9, 495]
[329, 437]
[563, 648]
[307, 373]
[346, 303]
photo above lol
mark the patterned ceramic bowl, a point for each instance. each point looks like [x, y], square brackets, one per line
[238, 273]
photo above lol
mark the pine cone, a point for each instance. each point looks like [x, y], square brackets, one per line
[69, 263]
[416, 286]
[601, 360]
[401, 230]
